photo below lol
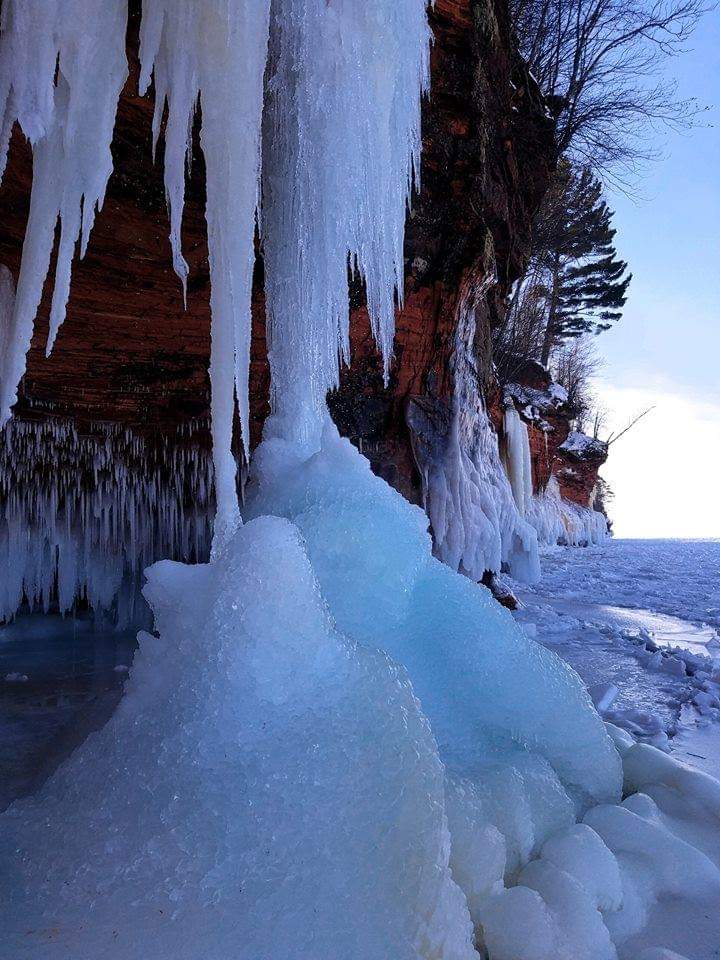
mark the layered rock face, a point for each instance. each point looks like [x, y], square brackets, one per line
[572, 458]
[132, 358]
[129, 352]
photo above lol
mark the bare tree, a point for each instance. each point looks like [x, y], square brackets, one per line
[599, 64]
[575, 366]
[616, 436]
[520, 336]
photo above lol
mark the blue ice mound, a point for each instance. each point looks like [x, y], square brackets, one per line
[488, 691]
[267, 788]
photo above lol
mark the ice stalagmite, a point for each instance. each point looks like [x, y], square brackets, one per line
[215, 50]
[69, 117]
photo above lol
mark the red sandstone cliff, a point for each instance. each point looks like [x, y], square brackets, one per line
[129, 355]
[128, 351]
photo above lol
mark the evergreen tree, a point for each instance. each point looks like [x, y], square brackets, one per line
[583, 282]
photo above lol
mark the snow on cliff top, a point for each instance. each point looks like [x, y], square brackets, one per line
[582, 446]
[544, 401]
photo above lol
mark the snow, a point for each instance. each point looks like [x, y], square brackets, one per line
[582, 446]
[258, 642]
[534, 401]
[665, 835]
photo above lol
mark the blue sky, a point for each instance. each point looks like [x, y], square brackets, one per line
[666, 349]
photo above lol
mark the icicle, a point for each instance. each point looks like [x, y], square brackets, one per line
[558, 520]
[7, 308]
[341, 140]
[95, 521]
[517, 459]
[70, 124]
[216, 49]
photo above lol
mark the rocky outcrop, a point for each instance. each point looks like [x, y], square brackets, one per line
[556, 450]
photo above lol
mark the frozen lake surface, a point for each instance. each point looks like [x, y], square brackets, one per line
[642, 617]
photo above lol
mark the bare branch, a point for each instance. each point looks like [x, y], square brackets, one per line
[601, 61]
[614, 438]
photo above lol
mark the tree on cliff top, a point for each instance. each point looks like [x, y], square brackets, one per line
[575, 283]
[586, 284]
[598, 62]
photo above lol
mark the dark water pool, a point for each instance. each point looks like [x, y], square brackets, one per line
[60, 679]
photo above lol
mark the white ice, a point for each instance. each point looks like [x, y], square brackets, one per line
[477, 525]
[341, 150]
[113, 503]
[215, 51]
[69, 119]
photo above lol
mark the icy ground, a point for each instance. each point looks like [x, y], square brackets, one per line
[639, 620]
[628, 881]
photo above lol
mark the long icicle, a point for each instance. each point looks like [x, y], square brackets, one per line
[215, 50]
[69, 122]
[341, 147]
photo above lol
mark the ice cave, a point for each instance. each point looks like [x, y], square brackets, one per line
[332, 742]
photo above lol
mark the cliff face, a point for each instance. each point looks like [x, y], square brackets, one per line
[123, 402]
[129, 353]
[555, 450]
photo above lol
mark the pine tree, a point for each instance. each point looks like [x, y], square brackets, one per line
[584, 283]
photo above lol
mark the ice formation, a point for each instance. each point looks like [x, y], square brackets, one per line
[475, 520]
[558, 520]
[341, 149]
[223, 784]
[113, 503]
[215, 52]
[518, 463]
[555, 519]
[336, 746]
[62, 67]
